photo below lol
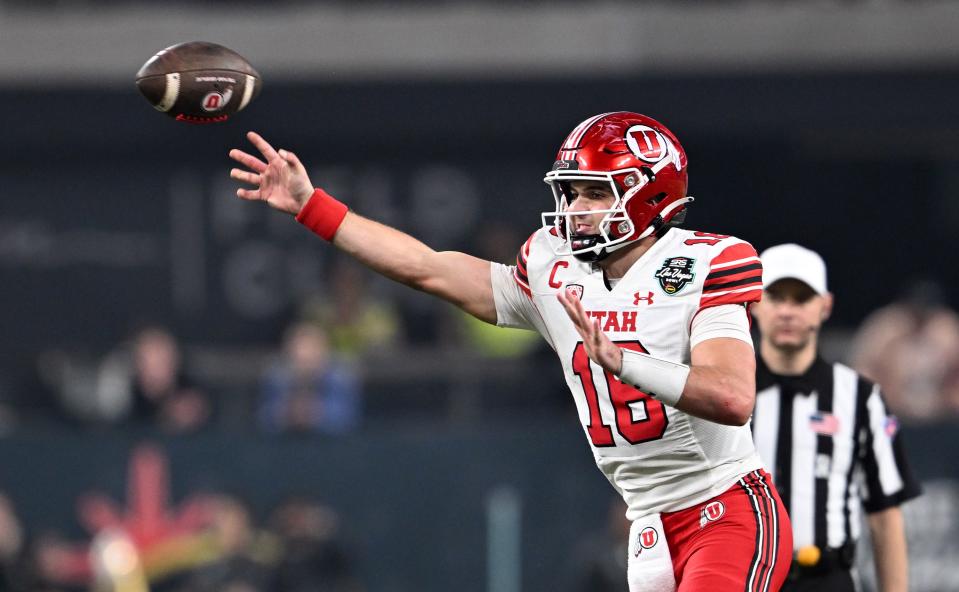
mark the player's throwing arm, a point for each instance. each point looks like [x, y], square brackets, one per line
[281, 180]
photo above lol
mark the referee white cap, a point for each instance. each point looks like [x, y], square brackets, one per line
[793, 261]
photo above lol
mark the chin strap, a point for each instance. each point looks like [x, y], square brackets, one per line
[658, 226]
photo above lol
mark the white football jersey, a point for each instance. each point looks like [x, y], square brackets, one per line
[657, 457]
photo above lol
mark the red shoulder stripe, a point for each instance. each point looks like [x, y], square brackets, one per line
[738, 295]
[523, 254]
[736, 277]
[732, 255]
[523, 283]
[520, 274]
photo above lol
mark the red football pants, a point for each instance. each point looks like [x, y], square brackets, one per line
[738, 541]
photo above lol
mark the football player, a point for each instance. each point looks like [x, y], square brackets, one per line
[650, 324]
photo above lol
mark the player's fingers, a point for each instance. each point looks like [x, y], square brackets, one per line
[245, 176]
[249, 194]
[248, 160]
[583, 331]
[582, 325]
[599, 337]
[262, 145]
[570, 309]
[291, 158]
[577, 306]
[595, 333]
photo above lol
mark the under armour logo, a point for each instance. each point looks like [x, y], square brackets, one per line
[637, 298]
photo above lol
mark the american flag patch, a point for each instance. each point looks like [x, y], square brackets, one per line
[891, 425]
[824, 423]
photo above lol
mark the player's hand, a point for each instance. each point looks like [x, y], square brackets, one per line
[280, 181]
[599, 347]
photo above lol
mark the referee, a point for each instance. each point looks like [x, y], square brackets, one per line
[824, 434]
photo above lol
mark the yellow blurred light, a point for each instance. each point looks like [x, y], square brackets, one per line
[808, 556]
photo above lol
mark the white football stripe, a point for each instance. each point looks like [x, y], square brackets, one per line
[247, 91]
[171, 93]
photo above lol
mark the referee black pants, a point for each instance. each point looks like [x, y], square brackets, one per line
[837, 580]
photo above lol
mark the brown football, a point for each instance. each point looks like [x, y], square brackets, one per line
[198, 82]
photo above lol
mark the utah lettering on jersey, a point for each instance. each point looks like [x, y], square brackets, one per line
[615, 320]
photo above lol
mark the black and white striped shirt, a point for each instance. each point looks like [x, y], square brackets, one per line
[831, 447]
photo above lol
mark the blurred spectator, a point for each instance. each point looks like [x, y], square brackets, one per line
[13, 569]
[142, 381]
[57, 564]
[244, 555]
[147, 378]
[357, 321]
[911, 347]
[497, 342]
[308, 390]
[314, 558]
[599, 561]
[497, 243]
[162, 392]
[71, 381]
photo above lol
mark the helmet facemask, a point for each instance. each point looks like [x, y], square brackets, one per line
[615, 229]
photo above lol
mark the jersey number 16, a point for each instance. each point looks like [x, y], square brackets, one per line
[624, 398]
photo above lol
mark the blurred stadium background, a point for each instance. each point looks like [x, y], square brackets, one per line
[830, 123]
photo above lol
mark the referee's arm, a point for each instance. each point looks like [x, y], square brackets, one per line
[889, 483]
[888, 535]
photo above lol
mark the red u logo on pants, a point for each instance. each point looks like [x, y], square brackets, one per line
[714, 511]
[648, 538]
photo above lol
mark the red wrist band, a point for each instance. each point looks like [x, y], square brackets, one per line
[322, 214]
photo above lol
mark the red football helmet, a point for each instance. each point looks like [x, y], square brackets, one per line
[643, 163]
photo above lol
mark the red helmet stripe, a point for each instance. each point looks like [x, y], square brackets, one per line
[572, 141]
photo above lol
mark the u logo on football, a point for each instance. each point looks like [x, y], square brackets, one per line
[214, 101]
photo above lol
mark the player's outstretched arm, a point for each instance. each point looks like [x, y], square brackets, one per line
[718, 385]
[281, 180]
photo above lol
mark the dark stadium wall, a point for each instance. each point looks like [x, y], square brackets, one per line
[110, 206]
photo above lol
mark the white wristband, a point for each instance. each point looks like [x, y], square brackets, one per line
[661, 379]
